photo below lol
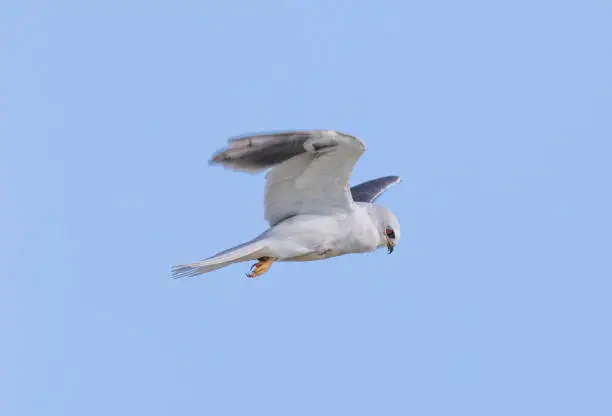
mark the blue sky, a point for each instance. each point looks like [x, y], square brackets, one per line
[495, 114]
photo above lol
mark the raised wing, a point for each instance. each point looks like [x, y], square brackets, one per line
[310, 169]
[370, 190]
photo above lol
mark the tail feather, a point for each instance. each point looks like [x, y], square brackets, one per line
[244, 252]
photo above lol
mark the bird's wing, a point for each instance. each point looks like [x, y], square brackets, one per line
[309, 174]
[370, 190]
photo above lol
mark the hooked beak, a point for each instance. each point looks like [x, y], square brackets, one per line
[390, 246]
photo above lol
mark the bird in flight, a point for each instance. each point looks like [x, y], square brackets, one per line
[312, 212]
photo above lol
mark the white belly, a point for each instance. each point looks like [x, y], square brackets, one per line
[308, 238]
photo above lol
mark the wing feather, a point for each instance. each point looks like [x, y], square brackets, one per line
[256, 153]
[309, 174]
[369, 191]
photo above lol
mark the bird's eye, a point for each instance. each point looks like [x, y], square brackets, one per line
[390, 233]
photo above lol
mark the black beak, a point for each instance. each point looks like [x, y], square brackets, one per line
[390, 247]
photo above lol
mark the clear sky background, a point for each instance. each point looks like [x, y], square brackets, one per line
[497, 300]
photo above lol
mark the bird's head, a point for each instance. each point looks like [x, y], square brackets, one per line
[388, 226]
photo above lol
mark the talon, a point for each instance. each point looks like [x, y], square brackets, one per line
[261, 267]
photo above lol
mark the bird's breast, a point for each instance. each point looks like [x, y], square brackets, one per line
[360, 234]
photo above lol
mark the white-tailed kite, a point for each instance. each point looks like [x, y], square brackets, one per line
[312, 212]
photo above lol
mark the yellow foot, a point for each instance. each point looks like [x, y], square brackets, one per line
[260, 268]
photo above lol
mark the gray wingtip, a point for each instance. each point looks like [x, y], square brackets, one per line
[214, 160]
[371, 190]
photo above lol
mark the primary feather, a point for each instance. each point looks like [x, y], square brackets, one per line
[370, 191]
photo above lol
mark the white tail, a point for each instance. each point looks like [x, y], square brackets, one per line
[244, 252]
